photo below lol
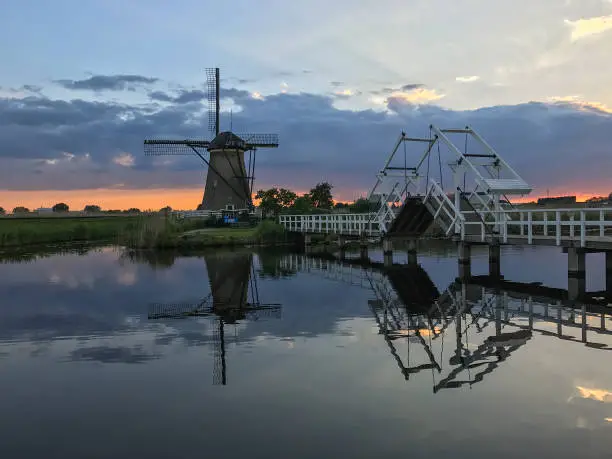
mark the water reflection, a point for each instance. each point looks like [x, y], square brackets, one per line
[233, 297]
[486, 319]
[119, 342]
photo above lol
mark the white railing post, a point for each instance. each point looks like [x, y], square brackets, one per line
[602, 215]
[558, 227]
[545, 223]
[505, 228]
[572, 219]
[582, 228]
[522, 221]
[529, 227]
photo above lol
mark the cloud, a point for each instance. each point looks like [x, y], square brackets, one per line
[184, 96]
[415, 96]
[404, 88]
[578, 103]
[107, 83]
[583, 28]
[124, 159]
[318, 140]
[336, 84]
[467, 79]
[346, 93]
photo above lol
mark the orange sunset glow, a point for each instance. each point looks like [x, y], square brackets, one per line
[178, 198]
[107, 198]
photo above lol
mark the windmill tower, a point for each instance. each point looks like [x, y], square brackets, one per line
[231, 157]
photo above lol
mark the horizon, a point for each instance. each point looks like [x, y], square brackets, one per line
[73, 128]
[114, 199]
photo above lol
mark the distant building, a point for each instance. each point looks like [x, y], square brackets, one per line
[44, 210]
[558, 200]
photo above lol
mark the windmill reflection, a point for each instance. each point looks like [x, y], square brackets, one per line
[489, 319]
[233, 297]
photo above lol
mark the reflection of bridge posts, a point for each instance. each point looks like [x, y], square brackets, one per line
[465, 260]
[576, 273]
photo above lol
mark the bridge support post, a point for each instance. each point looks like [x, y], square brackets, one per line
[342, 246]
[465, 260]
[609, 272]
[494, 260]
[412, 252]
[307, 243]
[576, 273]
[363, 248]
[388, 251]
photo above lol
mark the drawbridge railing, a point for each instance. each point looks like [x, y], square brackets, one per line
[444, 211]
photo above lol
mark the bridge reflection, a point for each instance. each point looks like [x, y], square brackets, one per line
[487, 319]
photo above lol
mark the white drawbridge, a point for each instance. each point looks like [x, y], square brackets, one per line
[459, 182]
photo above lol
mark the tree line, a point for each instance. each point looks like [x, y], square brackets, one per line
[62, 207]
[275, 201]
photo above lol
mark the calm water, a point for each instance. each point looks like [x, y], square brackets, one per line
[298, 358]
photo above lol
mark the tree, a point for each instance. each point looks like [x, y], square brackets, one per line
[133, 210]
[302, 204]
[166, 210]
[269, 201]
[286, 197]
[273, 200]
[92, 208]
[2, 211]
[321, 196]
[362, 205]
[21, 210]
[60, 207]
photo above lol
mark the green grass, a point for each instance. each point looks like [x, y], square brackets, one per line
[144, 231]
[28, 231]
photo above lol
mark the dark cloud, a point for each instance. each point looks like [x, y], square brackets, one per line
[411, 87]
[31, 88]
[404, 88]
[184, 96]
[547, 143]
[107, 82]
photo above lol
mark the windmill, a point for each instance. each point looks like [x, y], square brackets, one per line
[231, 279]
[229, 180]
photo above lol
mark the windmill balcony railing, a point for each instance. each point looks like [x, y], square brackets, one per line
[576, 225]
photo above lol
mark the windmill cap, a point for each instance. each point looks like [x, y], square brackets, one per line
[227, 140]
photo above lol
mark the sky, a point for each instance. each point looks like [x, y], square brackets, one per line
[84, 82]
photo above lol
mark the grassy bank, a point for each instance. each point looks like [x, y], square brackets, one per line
[41, 230]
[144, 231]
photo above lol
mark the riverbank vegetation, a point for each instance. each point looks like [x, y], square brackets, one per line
[138, 231]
